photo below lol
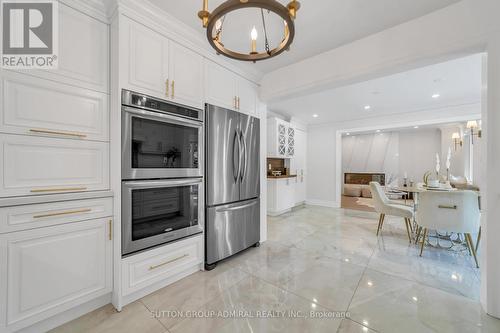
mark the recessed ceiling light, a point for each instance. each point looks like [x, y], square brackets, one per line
[367, 107]
[415, 126]
[348, 134]
[415, 298]
[378, 131]
[436, 96]
[315, 116]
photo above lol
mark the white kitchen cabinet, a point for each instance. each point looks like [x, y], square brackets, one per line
[280, 138]
[33, 106]
[280, 195]
[162, 263]
[157, 66]
[41, 165]
[46, 271]
[298, 166]
[220, 86]
[186, 76]
[83, 57]
[246, 96]
[145, 59]
[227, 89]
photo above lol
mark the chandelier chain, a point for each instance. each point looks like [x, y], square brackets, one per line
[268, 51]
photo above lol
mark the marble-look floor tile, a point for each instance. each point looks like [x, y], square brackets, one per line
[349, 326]
[192, 292]
[134, 317]
[391, 304]
[252, 297]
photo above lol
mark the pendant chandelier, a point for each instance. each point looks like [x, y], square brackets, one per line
[214, 23]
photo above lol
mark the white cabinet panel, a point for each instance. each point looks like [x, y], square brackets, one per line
[49, 270]
[23, 217]
[186, 75]
[146, 67]
[298, 166]
[280, 138]
[247, 94]
[280, 195]
[144, 269]
[36, 165]
[83, 51]
[220, 86]
[32, 106]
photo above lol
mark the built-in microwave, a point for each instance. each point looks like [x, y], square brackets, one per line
[160, 139]
[156, 212]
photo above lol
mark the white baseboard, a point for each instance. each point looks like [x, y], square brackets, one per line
[323, 203]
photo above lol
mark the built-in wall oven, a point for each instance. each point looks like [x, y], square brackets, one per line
[162, 172]
[160, 139]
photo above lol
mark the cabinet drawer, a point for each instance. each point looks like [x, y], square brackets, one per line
[36, 165]
[49, 270]
[146, 268]
[40, 107]
[24, 217]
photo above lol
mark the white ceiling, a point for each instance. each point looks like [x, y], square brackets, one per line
[321, 25]
[458, 82]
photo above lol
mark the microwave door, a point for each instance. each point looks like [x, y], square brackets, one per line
[223, 156]
[250, 171]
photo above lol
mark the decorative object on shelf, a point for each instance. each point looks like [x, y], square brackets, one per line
[474, 130]
[457, 140]
[214, 23]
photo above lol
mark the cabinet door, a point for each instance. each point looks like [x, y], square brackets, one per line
[247, 94]
[39, 165]
[282, 139]
[290, 141]
[83, 51]
[36, 106]
[220, 86]
[186, 75]
[147, 65]
[49, 270]
[298, 165]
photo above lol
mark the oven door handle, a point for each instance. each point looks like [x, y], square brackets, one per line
[162, 117]
[160, 183]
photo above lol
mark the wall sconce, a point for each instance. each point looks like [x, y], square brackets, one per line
[457, 140]
[474, 130]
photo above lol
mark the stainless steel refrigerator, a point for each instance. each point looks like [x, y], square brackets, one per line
[232, 181]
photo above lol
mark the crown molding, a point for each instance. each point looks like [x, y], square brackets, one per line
[97, 9]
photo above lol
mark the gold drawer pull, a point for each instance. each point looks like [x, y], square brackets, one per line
[76, 211]
[168, 262]
[166, 87]
[447, 207]
[110, 235]
[38, 190]
[173, 88]
[78, 135]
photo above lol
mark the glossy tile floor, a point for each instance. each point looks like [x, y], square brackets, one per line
[318, 262]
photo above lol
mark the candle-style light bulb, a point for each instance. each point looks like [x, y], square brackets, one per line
[254, 35]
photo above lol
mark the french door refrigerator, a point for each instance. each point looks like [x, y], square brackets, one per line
[232, 183]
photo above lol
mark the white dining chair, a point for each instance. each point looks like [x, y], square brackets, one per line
[384, 206]
[456, 211]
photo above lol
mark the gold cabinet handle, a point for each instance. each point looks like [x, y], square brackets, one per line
[74, 134]
[235, 103]
[238, 102]
[168, 262]
[110, 235]
[38, 190]
[166, 87]
[76, 211]
[447, 207]
[173, 88]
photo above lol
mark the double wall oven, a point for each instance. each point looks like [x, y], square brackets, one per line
[162, 172]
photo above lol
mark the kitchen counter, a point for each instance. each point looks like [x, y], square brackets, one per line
[281, 177]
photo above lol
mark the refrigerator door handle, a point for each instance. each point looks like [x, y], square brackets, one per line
[230, 209]
[245, 155]
[236, 174]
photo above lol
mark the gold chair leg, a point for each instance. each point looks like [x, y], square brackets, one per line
[419, 230]
[423, 241]
[478, 239]
[407, 223]
[380, 223]
[468, 237]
